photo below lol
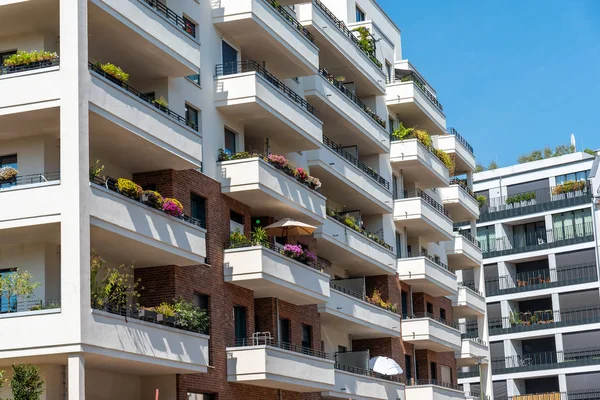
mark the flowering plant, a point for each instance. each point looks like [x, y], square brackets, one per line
[7, 173]
[28, 57]
[296, 252]
[301, 174]
[313, 183]
[153, 199]
[129, 188]
[276, 160]
[377, 299]
[173, 207]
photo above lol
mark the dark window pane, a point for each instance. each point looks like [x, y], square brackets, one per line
[230, 137]
[235, 217]
[360, 15]
[284, 330]
[199, 209]
[239, 316]
[201, 301]
[307, 336]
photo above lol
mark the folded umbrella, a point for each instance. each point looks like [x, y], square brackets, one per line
[385, 366]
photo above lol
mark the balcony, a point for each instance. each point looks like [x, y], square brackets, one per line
[41, 75]
[356, 252]
[540, 240]
[546, 360]
[473, 351]
[269, 273]
[265, 30]
[455, 144]
[427, 274]
[269, 191]
[542, 279]
[45, 204]
[409, 97]
[460, 201]
[468, 302]
[424, 331]
[261, 361]
[349, 312]
[423, 216]
[344, 176]
[339, 107]
[269, 109]
[463, 251]
[424, 389]
[418, 164]
[154, 236]
[536, 201]
[544, 319]
[468, 372]
[144, 37]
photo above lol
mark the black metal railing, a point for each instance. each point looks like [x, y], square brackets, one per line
[266, 341]
[467, 235]
[356, 162]
[544, 319]
[23, 305]
[546, 360]
[241, 67]
[471, 286]
[541, 239]
[433, 317]
[542, 279]
[348, 93]
[344, 29]
[5, 70]
[468, 330]
[30, 179]
[368, 235]
[411, 77]
[412, 193]
[111, 185]
[463, 185]
[368, 372]
[317, 264]
[291, 20]
[431, 258]
[360, 296]
[434, 382]
[169, 14]
[468, 372]
[454, 132]
[172, 114]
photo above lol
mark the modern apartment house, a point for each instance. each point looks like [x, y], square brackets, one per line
[228, 116]
[541, 279]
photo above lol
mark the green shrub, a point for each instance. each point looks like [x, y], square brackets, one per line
[191, 317]
[26, 383]
[161, 101]
[260, 237]
[446, 159]
[129, 188]
[237, 240]
[481, 200]
[165, 309]
[114, 71]
[28, 57]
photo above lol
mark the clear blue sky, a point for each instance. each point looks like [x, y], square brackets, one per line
[513, 75]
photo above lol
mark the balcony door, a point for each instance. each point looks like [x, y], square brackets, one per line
[239, 316]
[230, 59]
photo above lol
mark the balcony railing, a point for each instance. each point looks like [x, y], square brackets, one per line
[471, 286]
[544, 319]
[434, 382]
[539, 240]
[431, 316]
[542, 279]
[584, 394]
[241, 67]
[454, 132]
[468, 372]
[359, 292]
[412, 193]
[267, 341]
[412, 77]
[348, 93]
[468, 330]
[172, 114]
[23, 305]
[356, 162]
[546, 360]
[431, 258]
[358, 229]
[21, 180]
[467, 235]
[344, 29]
[463, 185]
[111, 185]
[169, 14]
[532, 201]
[291, 20]
[29, 67]
[369, 372]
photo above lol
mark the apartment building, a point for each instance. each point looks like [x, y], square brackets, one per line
[541, 279]
[225, 117]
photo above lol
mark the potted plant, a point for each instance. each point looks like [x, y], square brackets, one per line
[173, 207]
[237, 240]
[153, 199]
[147, 313]
[191, 317]
[129, 188]
[96, 170]
[260, 237]
[117, 74]
[161, 103]
[43, 58]
[8, 174]
[165, 314]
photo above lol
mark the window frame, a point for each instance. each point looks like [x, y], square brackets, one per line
[360, 15]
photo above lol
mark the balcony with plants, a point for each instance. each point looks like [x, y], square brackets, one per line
[427, 273]
[271, 182]
[289, 272]
[460, 200]
[344, 240]
[344, 114]
[412, 152]
[268, 108]
[345, 176]
[352, 310]
[168, 47]
[344, 50]
[453, 143]
[265, 30]
[463, 251]
[409, 96]
[425, 331]
[567, 194]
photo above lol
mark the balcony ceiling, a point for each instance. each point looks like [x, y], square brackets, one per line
[30, 16]
[31, 234]
[38, 122]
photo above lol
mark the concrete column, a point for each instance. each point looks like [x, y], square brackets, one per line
[556, 305]
[549, 226]
[485, 379]
[459, 276]
[74, 165]
[562, 383]
[470, 179]
[76, 377]
[552, 267]
[479, 279]
[558, 338]
[511, 388]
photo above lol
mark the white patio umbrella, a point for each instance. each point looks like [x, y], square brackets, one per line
[289, 227]
[385, 366]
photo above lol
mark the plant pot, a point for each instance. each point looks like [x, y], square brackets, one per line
[148, 315]
[162, 319]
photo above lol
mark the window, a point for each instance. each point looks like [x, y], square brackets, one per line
[239, 319]
[201, 301]
[201, 396]
[530, 234]
[150, 186]
[391, 125]
[199, 209]
[360, 15]
[236, 222]
[191, 116]
[404, 304]
[398, 245]
[487, 238]
[5, 55]
[230, 59]
[194, 78]
[429, 308]
[576, 176]
[408, 368]
[433, 371]
[572, 224]
[190, 27]
[442, 314]
[307, 336]
[284, 330]
[446, 374]
[150, 95]
[342, 349]
[7, 305]
[388, 71]
[230, 139]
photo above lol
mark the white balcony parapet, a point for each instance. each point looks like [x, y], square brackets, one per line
[354, 383]
[418, 164]
[41, 75]
[453, 143]
[426, 274]
[468, 302]
[268, 273]
[423, 215]
[460, 202]
[434, 390]
[463, 251]
[473, 351]
[426, 332]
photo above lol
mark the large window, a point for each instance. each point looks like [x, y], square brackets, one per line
[360, 15]
[199, 209]
[192, 115]
[7, 305]
[575, 176]
[486, 236]
[529, 234]
[307, 336]
[230, 139]
[239, 319]
[572, 224]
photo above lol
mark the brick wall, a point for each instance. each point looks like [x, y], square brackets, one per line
[420, 301]
[426, 357]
